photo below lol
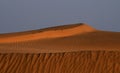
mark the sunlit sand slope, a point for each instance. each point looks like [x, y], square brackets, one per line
[47, 34]
[73, 48]
[66, 38]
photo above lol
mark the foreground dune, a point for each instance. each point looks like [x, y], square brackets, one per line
[73, 48]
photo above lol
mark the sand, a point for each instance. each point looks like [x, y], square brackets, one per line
[72, 48]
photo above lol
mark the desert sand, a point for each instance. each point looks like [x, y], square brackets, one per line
[72, 48]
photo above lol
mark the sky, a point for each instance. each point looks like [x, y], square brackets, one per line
[24, 15]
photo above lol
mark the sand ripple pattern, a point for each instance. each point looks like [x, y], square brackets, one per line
[66, 62]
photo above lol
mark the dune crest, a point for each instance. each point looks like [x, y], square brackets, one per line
[65, 38]
[80, 29]
[76, 48]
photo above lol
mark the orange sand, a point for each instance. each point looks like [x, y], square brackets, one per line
[69, 38]
[49, 34]
[74, 48]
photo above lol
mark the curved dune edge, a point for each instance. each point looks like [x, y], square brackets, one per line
[72, 39]
[81, 49]
[81, 29]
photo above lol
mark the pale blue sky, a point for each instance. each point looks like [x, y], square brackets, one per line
[21, 15]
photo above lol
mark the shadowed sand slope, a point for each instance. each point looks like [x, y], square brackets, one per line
[73, 48]
[73, 62]
[66, 38]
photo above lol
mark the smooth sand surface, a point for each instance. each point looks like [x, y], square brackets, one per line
[66, 38]
[73, 48]
[48, 34]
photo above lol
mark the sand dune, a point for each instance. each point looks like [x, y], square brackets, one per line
[73, 48]
[82, 28]
[73, 62]
[60, 39]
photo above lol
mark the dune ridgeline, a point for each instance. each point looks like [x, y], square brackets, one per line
[72, 48]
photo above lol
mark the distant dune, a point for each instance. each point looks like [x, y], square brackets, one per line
[72, 48]
[48, 33]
